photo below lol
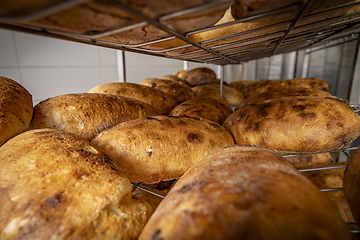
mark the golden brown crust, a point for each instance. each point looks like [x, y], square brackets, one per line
[199, 76]
[180, 73]
[87, 114]
[56, 185]
[309, 160]
[161, 148]
[16, 109]
[238, 193]
[333, 178]
[239, 85]
[295, 124]
[232, 95]
[266, 85]
[208, 108]
[178, 91]
[352, 183]
[161, 101]
[175, 79]
[284, 92]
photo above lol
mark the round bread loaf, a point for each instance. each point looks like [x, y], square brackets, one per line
[245, 192]
[284, 92]
[208, 108]
[178, 91]
[352, 183]
[158, 99]
[55, 185]
[332, 178]
[266, 85]
[175, 79]
[16, 109]
[239, 85]
[180, 73]
[295, 124]
[309, 160]
[232, 96]
[161, 148]
[199, 76]
[87, 114]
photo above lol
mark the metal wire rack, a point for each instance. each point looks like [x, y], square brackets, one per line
[305, 29]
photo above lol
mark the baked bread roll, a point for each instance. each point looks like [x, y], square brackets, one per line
[161, 101]
[178, 91]
[352, 183]
[55, 185]
[284, 92]
[161, 148]
[232, 96]
[87, 114]
[295, 124]
[180, 73]
[309, 160]
[175, 79]
[16, 109]
[245, 192]
[333, 178]
[199, 76]
[266, 85]
[208, 108]
[239, 85]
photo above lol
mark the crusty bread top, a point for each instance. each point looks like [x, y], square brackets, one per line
[161, 101]
[199, 76]
[55, 185]
[245, 192]
[16, 109]
[87, 114]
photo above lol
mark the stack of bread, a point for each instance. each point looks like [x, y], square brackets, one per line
[68, 172]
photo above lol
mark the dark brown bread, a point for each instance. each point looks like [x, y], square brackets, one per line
[55, 185]
[16, 109]
[199, 76]
[245, 192]
[87, 114]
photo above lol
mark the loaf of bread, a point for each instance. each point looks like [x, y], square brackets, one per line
[309, 160]
[208, 108]
[16, 109]
[239, 85]
[180, 73]
[161, 101]
[87, 114]
[232, 96]
[199, 76]
[333, 178]
[284, 92]
[161, 148]
[295, 124]
[245, 192]
[55, 185]
[178, 91]
[175, 79]
[266, 85]
[352, 183]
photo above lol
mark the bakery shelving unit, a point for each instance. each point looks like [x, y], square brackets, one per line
[306, 29]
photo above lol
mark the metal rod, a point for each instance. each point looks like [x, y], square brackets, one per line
[305, 6]
[337, 83]
[353, 68]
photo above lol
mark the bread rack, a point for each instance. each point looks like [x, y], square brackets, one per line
[321, 30]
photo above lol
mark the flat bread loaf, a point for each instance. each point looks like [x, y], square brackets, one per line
[352, 183]
[245, 192]
[161, 101]
[295, 124]
[55, 185]
[161, 148]
[87, 114]
[208, 108]
[16, 109]
[178, 91]
[232, 95]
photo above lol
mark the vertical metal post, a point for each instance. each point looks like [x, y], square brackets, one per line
[353, 67]
[295, 64]
[221, 75]
[185, 65]
[121, 66]
[306, 64]
[243, 72]
[337, 83]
